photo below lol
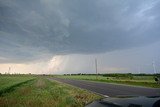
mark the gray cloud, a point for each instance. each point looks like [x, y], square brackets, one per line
[30, 30]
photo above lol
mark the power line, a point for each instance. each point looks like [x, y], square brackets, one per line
[154, 67]
[96, 68]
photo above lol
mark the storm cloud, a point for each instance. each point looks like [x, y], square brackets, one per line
[34, 29]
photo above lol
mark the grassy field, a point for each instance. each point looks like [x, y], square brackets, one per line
[41, 92]
[7, 83]
[146, 81]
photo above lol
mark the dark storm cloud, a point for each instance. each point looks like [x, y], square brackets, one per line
[35, 29]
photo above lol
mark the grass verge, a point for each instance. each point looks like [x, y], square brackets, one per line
[42, 92]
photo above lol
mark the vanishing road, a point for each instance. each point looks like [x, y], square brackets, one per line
[108, 89]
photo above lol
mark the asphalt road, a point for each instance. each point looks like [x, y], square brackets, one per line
[111, 90]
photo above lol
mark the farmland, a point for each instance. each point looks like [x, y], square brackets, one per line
[128, 79]
[7, 83]
[42, 91]
[38, 91]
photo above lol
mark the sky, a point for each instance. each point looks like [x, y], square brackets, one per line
[66, 36]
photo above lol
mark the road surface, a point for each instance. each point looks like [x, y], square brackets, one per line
[111, 90]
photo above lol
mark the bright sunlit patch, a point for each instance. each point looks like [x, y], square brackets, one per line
[34, 68]
[57, 63]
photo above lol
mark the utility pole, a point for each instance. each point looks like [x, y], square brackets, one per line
[139, 69]
[96, 68]
[154, 67]
[9, 70]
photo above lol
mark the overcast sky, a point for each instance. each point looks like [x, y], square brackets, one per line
[65, 36]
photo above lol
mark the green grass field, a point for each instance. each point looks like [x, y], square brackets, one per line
[146, 81]
[7, 83]
[38, 91]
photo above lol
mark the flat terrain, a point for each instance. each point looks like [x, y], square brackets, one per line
[37, 91]
[146, 81]
[111, 89]
[7, 83]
